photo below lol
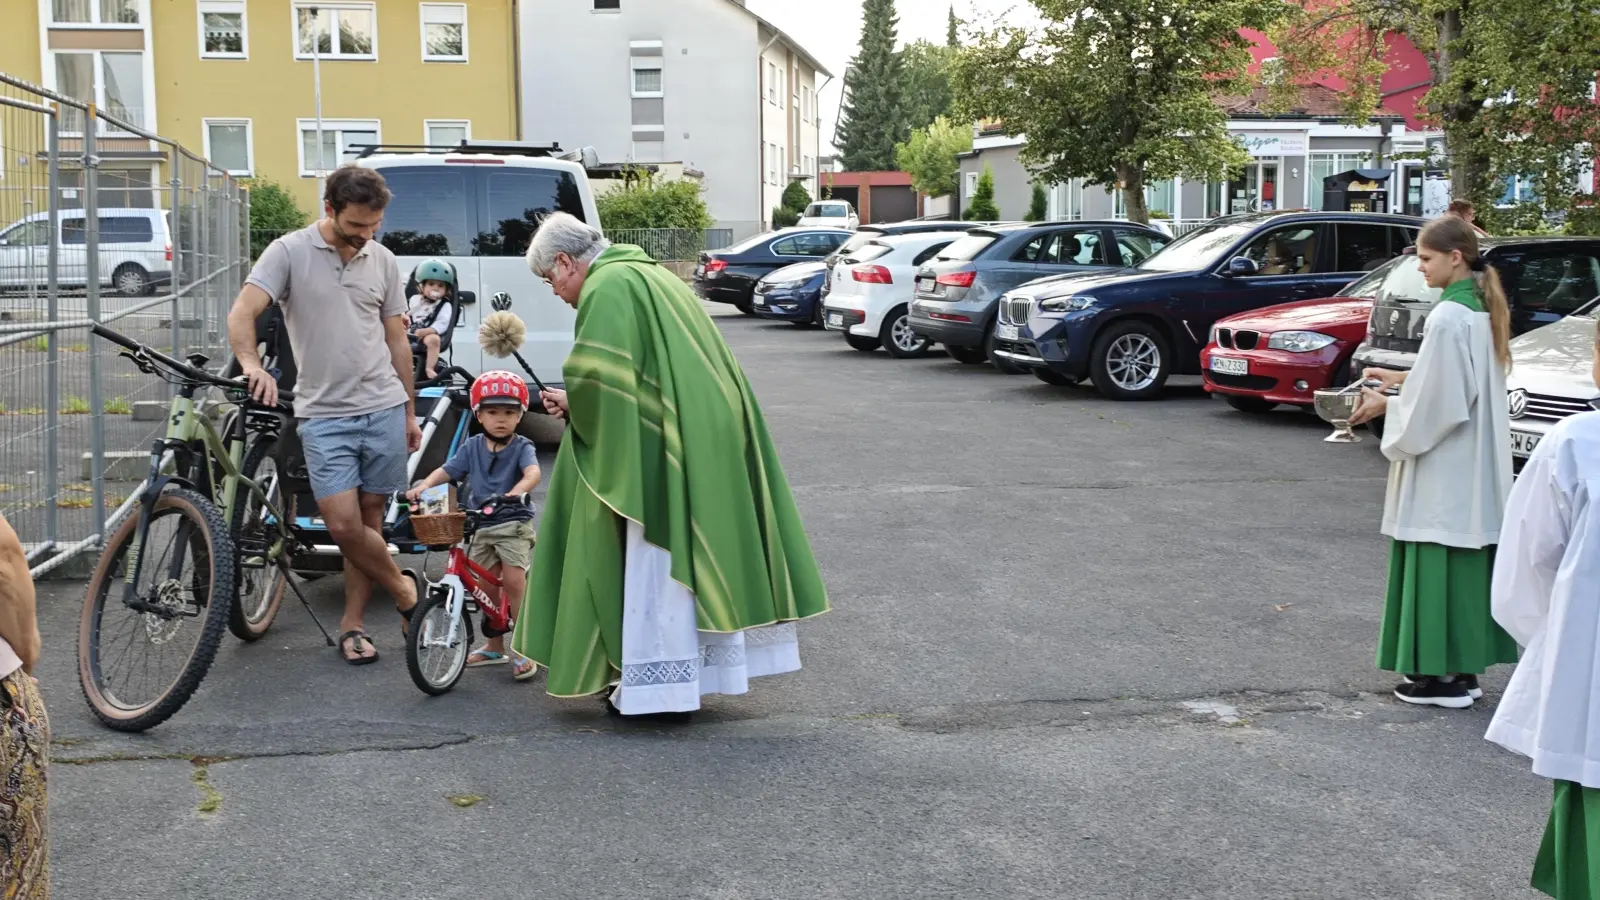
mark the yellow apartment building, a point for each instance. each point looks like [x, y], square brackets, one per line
[234, 79]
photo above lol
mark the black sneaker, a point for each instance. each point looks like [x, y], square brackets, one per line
[1433, 692]
[1470, 682]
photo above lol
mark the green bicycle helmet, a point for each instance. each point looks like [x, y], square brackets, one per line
[435, 270]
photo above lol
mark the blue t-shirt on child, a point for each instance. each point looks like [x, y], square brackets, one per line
[490, 473]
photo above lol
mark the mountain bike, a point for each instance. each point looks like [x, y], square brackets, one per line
[441, 625]
[170, 577]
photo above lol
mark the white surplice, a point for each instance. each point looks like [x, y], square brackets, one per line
[667, 664]
[1547, 596]
[1448, 436]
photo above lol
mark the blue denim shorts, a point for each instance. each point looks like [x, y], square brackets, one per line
[366, 452]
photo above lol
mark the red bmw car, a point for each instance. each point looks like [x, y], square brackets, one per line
[1259, 359]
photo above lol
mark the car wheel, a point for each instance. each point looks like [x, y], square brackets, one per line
[864, 344]
[1130, 361]
[1052, 377]
[1006, 366]
[969, 356]
[898, 338]
[1254, 405]
[131, 280]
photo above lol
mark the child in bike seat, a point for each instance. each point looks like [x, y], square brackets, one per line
[431, 309]
[499, 462]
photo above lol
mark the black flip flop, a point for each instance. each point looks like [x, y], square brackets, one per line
[357, 660]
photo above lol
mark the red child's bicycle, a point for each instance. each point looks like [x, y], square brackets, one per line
[441, 626]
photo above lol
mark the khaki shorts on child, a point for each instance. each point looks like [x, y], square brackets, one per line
[510, 543]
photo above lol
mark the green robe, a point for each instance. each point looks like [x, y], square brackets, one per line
[665, 432]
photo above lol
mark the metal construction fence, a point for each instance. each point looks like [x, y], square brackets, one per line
[101, 222]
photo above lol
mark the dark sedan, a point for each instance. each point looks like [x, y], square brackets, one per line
[791, 294]
[730, 276]
[1128, 331]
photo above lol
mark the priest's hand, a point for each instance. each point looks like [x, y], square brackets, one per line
[1388, 378]
[555, 401]
[1372, 405]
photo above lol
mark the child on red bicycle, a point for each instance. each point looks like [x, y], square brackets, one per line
[497, 463]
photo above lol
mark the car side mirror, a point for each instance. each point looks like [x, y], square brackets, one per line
[1241, 266]
[467, 298]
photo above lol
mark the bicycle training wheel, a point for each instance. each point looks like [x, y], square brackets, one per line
[254, 529]
[137, 668]
[434, 660]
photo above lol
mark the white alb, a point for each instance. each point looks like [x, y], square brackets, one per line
[1449, 437]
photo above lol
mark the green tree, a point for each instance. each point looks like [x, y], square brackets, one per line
[1039, 208]
[648, 203]
[784, 217]
[795, 197]
[982, 208]
[1511, 81]
[273, 213]
[930, 156]
[926, 69]
[1117, 92]
[872, 120]
[953, 31]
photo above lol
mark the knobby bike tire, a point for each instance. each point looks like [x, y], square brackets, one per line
[213, 536]
[419, 617]
[246, 512]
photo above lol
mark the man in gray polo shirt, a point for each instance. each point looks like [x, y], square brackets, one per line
[343, 300]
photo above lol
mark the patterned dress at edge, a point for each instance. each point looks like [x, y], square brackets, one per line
[24, 760]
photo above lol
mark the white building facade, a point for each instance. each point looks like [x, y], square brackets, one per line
[706, 83]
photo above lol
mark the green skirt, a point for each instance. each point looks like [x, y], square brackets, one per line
[1436, 620]
[1572, 837]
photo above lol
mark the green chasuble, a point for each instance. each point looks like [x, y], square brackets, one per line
[665, 432]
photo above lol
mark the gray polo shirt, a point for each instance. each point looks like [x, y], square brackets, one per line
[334, 312]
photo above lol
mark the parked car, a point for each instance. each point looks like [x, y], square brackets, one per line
[872, 293]
[1286, 353]
[826, 213]
[791, 294]
[1545, 279]
[480, 219]
[958, 290]
[135, 250]
[1551, 378]
[1129, 331]
[868, 233]
[730, 276]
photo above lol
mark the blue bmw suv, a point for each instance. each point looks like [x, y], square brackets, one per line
[1129, 330]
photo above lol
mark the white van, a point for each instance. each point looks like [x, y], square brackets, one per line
[135, 250]
[830, 214]
[477, 208]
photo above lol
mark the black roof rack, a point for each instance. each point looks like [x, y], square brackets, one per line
[502, 148]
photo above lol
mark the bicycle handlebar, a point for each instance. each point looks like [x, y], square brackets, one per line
[140, 351]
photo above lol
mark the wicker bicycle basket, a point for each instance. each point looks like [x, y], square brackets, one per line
[443, 530]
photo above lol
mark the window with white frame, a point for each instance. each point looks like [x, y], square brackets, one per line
[772, 83]
[446, 132]
[1159, 196]
[112, 81]
[222, 29]
[772, 164]
[1324, 164]
[336, 30]
[1516, 189]
[94, 12]
[228, 146]
[342, 139]
[647, 77]
[444, 32]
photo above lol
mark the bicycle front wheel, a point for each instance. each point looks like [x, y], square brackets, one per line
[138, 665]
[254, 529]
[433, 658]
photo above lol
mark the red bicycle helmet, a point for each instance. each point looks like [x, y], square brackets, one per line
[499, 388]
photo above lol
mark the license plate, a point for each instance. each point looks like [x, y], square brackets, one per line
[1005, 332]
[925, 284]
[1228, 366]
[835, 319]
[1523, 443]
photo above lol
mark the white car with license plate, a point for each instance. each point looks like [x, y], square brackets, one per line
[872, 287]
[1551, 378]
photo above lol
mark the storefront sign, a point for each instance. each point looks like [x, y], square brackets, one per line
[1272, 144]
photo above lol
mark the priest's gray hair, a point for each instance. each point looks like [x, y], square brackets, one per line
[564, 233]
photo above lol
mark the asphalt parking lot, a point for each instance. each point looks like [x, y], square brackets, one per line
[1079, 649]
